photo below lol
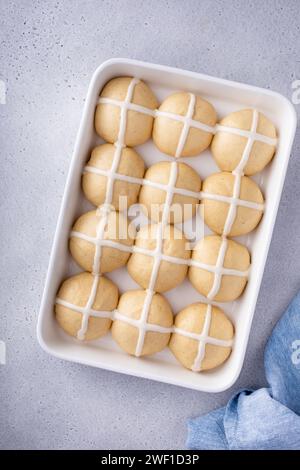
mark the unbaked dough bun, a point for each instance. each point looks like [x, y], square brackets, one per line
[131, 305]
[228, 148]
[170, 274]
[107, 116]
[188, 350]
[95, 185]
[218, 286]
[76, 291]
[117, 229]
[215, 212]
[170, 135]
[152, 198]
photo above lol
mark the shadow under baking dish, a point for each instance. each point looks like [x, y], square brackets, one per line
[226, 97]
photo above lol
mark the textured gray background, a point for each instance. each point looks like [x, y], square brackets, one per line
[48, 52]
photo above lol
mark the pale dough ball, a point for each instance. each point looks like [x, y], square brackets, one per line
[76, 290]
[237, 257]
[185, 349]
[167, 131]
[152, 199]
[130, 305]
[116, 229]
[138, 125]
[228, 148]
[215, 212]
[170, 274]
[124, 193]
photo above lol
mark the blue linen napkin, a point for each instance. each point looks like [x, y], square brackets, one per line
[264, 419]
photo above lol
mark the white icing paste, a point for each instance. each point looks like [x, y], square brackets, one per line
[248, 134]
[117, 315]
[109, 174]
[112, 175]
[104, 209]
[128, 106]
[138, 324]
[102, 242]
[238, 174]
[76, 308]
[218, 273]
[157, 258]
[219, 270]
[170, 259]
[233, 201]
[191, 122]
[180, 191]
[98, 248]
[86, 312]
[196, 367]
[140, 181]
[186, 126]
[202, 337]
[156, 112]
[186, 120]
[231, 215]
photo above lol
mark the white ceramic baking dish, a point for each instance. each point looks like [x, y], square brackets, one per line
[226, 96]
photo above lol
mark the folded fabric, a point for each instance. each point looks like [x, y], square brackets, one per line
[264, 419]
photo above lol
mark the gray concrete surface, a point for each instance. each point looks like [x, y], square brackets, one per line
[48, 51]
